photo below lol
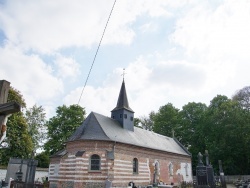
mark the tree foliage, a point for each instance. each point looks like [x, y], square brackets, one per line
[43, 159]
[190, 134]
[227, 127]
[137, 122]
[147, 122]
[166, 120]
[62, 126]
[243, 97]
[35, 117]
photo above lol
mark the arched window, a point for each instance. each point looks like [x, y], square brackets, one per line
[135, 166]
[95, 162]
[170, 169]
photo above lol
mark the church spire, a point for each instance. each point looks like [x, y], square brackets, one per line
[122, 112]
[122, 99]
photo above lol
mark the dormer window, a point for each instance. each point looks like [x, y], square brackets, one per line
[125, 116]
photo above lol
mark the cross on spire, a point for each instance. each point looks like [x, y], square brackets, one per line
[123, 74]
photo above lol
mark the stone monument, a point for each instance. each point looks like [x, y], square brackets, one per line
[205, 174]
[21, 170]
[210, 172]
[6, 108]
[201, 172]
[222, 177]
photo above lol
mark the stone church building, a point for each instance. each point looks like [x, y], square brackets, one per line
[111, 152]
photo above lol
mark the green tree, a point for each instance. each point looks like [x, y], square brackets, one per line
[137, 122]
[190, 134]
[243, 97]
[35, 118]
[43, 159]
[62, 126]
[18, 142]
[147, 123]
[166, 120]
[226, 135]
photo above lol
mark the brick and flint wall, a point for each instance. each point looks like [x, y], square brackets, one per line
[73, 171]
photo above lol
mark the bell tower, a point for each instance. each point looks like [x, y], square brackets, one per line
[122, 112]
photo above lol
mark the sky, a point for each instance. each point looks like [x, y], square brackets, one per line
[174, 52]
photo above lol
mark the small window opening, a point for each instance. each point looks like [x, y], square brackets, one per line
[135, 166]
[95, 162]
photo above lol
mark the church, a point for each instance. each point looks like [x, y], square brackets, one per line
[112, 152]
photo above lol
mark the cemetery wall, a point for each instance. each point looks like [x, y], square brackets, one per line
[234, 178]
[74, 170]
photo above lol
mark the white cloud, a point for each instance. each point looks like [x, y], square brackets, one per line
[218, 39]
[46, 26]
[215, 32]
[207, 53]
[66, 67]
[29, 74]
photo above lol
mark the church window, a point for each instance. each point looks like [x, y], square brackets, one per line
[170, 169]
[95, 162]
[125, 116]
[135, 166]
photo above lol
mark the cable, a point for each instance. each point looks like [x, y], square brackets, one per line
[96, 52]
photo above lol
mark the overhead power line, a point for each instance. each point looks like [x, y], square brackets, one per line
[96, 53]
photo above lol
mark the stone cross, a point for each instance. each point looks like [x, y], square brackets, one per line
[6, 108]
[200, 158]
[207, 157]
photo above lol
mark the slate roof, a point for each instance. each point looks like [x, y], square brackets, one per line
[122, 99]
[99, 127]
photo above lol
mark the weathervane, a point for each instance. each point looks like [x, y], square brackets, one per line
[123, 74]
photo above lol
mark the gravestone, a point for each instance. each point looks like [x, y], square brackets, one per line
[24, 167]
[205, 174]
[222, 177]
[201, 172]
[6, 108]
[210, 172]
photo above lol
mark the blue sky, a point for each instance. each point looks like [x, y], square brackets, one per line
[173, 51]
